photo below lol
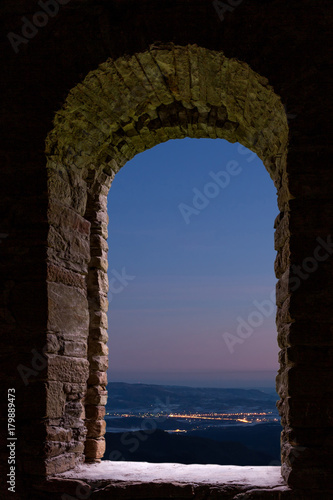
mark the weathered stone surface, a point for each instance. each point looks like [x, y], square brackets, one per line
[67, 369]
[69, 486]
[96, 396]
[61, 463]
[98, 349]
[61, 216]
[305, 381]
[308, 437]
[99, 263]
[143, 95]
[95, 448]
[75, 409]
[304, 412]
[52, 345]
[54, 448]
[66, 277]
[161, 481]
[306, 334]
[74, 391]
[95, 428]
[95, 412]
[98, 320]
[69, 248]
[98, 280]
[59, 433]
[98, 334]
[70, 191]
[68, 311]
[308, 355]
[98, 245]
[76, 447]
[55, 399]
[99, 363]
[98, 302]
[76, 349]
[97, 378]
[282, 230]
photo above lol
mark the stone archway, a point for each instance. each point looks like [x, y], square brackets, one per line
[124, 107]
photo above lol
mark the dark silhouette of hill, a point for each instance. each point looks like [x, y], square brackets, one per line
[160, 446]
[263, 438]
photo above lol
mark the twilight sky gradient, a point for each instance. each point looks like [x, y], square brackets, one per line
[194, 281]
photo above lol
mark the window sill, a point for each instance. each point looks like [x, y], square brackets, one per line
[156, 481]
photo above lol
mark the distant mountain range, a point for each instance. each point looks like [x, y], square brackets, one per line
[136, 397]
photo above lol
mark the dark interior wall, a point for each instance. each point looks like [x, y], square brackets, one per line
[285, 41]
[288, 43]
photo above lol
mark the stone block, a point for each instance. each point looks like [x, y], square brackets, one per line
[101, 263]
[70, 248]
[75, 349]
[95, 412]
[68, 311]
[59, 434]
[319, 437]
[307, 412]
[307, 333]
[62, 216]
[74, 487]
[96, 396]
[76, 447]
[321, 356]
[60, 274]
[96, 348]
[66, 369]
[52, 344]
[98, 320]
[61, 463]
[54, 448]
[98, 302]
[55, 399]
[97, 378]
[75, 409]
[98, 245]
[99, 363]
[304, 381]
[95, 448]
[99, 334]
[95, 428]
[282, 231]
[98, 281]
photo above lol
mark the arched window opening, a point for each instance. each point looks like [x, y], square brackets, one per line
[124, 108]
[192, 306]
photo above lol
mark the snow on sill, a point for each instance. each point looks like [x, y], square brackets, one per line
[144, 472]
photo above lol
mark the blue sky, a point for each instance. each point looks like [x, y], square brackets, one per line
[191, 232]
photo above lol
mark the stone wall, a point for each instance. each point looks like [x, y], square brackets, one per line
[125, 107]
[193, 74]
